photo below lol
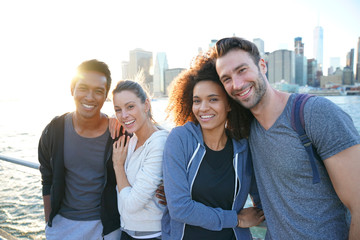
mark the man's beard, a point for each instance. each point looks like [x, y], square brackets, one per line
[259, 92]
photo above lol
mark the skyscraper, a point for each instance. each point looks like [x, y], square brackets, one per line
[141, 61]
[299, 46]
[260, 45]
[125, 70]
[318, 47]
[350, 59]
[300, 62]
[281, 66]
[358, 63]
[349, 69]
[311, 73]
[161, 65]
[170, 75]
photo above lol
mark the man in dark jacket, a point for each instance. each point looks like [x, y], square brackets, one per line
[75, 163]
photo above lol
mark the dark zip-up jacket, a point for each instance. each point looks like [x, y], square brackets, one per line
[51, 158]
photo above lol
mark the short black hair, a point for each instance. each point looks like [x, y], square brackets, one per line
[96, 66]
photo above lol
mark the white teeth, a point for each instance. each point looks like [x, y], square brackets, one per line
[130, 122]
[244, 93]
[88, 106]
[207, 116]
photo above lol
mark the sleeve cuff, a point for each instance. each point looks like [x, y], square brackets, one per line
[46, 190]
[230, 219]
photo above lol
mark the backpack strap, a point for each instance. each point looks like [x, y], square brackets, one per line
[298, 124]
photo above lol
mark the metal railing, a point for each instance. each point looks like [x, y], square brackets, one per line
[35, 165]
[20, 162]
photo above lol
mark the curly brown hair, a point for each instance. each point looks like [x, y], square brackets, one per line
[181, 97]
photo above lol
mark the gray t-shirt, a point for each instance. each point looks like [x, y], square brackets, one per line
[84, 174]
[294, 207]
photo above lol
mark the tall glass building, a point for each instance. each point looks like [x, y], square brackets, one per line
[357, 79]
[300, 62]
[161, 65]
[318, 46]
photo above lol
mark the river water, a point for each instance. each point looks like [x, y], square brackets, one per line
[21, 123]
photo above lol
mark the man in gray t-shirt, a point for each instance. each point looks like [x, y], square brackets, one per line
[75, 163]
[294, 207]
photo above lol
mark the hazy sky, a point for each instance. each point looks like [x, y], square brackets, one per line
[42, 42]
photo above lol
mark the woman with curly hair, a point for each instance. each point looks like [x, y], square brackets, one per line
[207, 166]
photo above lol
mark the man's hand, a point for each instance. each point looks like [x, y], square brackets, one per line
[249, 217]
[115, 128]
[160, 194]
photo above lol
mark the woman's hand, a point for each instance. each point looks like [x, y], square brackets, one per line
[120, 149]
[249, 217]
[115, 127]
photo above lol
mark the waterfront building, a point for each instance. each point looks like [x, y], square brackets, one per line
[141, 61]
[349, 69]
[357, 78]
[299, 46]
[330, 70]
[319, 74]
[260, 45]
[350, 59]
[311, 72]
[125, 70]
[318, 46]
[170, 75]
[161, 65]
[266, 60]
[335, 79]
[281, 66]
[300, 62]
[348, 76]
[300, 70]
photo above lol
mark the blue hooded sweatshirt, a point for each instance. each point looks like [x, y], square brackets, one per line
[183, 154]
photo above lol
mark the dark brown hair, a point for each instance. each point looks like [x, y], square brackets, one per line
[181, 98]
[223, 46]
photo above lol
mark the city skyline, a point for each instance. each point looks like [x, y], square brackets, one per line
[43, 42]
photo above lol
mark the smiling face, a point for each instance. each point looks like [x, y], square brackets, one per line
[210, 105]
[89, 94]
[243, 80]
[130, 111]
